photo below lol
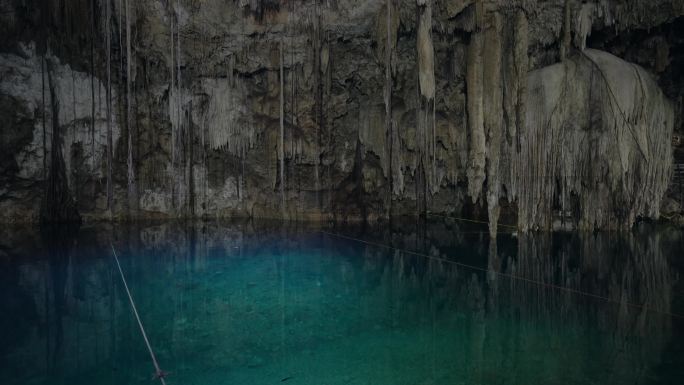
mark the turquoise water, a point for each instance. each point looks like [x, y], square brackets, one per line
[266, 304]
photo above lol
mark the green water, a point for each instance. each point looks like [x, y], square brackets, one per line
[267, 304]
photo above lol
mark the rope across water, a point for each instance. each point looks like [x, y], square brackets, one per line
[506, 275]
[160, 374]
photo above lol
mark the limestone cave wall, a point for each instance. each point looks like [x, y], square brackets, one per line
[538, 114]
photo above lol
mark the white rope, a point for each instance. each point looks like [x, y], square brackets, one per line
[159, 373]
[506, 275]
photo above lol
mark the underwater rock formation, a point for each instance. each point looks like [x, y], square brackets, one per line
[344, 110]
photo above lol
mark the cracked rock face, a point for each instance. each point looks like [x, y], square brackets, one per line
[546, 115]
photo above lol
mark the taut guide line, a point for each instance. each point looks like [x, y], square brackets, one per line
[470, 220]
[511, 276]
[160, 374]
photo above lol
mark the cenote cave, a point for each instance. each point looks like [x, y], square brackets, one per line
[344, 192]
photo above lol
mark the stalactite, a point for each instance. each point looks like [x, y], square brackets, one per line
[73, 99]
[316, 140]
[566, 31]
[583, 24]
[129, 119]
[426, 51]
[521, 61]
[58, 204]
[624, 126]
[110, 150]
[293, 152]
[241, 181]
[178, 178]
[318, 102]
[474, 80]
[172, 101]
[226, 115]
[426, 80]
[281, 143]
[389, 130]
[435, 181]
[205, 170]
[179, 83]
[329, 145]
[496, 80]
[121, 56]
[394, 167]
[42, 90]
[292, 74]
[176, 101]
[421, 179]
[93, 166]
[515, 61]
[493, 116]
[189, 167]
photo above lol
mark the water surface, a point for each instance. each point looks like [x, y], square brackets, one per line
[262, 303]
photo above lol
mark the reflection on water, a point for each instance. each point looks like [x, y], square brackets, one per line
[261, 303]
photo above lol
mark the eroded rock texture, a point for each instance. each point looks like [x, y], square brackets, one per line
[546, 114]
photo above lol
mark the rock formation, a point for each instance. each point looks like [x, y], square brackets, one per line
[600, 129]
[550, 115]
